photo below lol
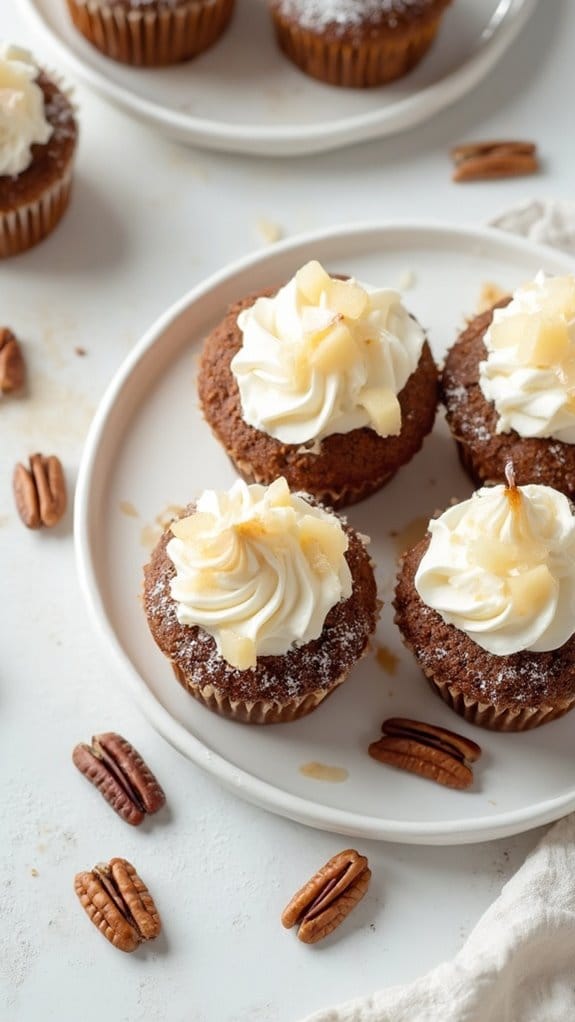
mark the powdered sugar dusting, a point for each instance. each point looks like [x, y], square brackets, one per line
[60, 114]
[522, 680]
[319, 15]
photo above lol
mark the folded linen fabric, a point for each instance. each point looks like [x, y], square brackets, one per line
[518, 964]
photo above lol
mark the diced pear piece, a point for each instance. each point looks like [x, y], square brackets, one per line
[337, 351]
[279, 493]
[531, 589]
[494, 555]
[347, 298]
[315, 320]
[561, 297]
[383, 408]
[325, 543]
[193, 529]
[238, 650]
[312, 280]
[509, 333]
[546, 344]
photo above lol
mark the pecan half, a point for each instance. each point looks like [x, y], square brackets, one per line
[120, 774]
[482, 161]
[118, 902]
[322, 904]
[12, 366]
[427, 750]
[40, 491]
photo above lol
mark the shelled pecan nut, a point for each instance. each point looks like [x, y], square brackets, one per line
[427, 750]
[118, 902]
[482, 161]
[120, 774]
[323, 903]
[12, 366]
[40, 491]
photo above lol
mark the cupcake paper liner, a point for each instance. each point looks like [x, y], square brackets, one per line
[364, 64]
[151, 38]
[260, 711]
[489, 715]
[25, 226]
[492, 717]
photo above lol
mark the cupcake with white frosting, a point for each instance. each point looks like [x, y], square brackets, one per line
[326, 381]
[151, 33]
[38, 136]
[486, 602]
[261, 600]
[356, 43]
[509, 387]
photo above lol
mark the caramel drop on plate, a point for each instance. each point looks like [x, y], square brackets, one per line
[324, 772]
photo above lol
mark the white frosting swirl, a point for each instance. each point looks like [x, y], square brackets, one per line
[22, 119]
[529, 374]
[325, 356]
[501, 568]
[259, 569]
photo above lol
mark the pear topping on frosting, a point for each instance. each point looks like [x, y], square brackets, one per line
[258, 568]
[501, 567]
[529, 373]
[325, 356]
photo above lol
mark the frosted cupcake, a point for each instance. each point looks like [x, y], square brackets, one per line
[509, 387]
[262, 601]
[358, 43]
[327, 382]
[38, 136]
[486, 602]
[149, 33]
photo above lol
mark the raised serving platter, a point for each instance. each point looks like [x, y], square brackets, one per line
[244, 96]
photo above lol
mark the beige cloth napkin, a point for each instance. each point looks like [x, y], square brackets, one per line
[518, 965]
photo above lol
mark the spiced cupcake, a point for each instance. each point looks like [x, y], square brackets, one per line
[356, 43]
[151, 33]
[486, 602]
[509, 387]
[261, 600]
[38, 136]
[327, 382]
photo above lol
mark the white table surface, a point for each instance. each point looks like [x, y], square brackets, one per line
[149, 219]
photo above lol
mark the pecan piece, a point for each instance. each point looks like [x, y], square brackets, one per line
[12, 366]
[482, 161]
[433, 734]
[40, 491]
[322, 904]
[120, 774]
[427, 750]
[118, 902]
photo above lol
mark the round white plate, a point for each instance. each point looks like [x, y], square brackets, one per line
[244, 96]
[149, 448]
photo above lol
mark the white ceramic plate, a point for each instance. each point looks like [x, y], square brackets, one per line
[150, 448]
[244, 96]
